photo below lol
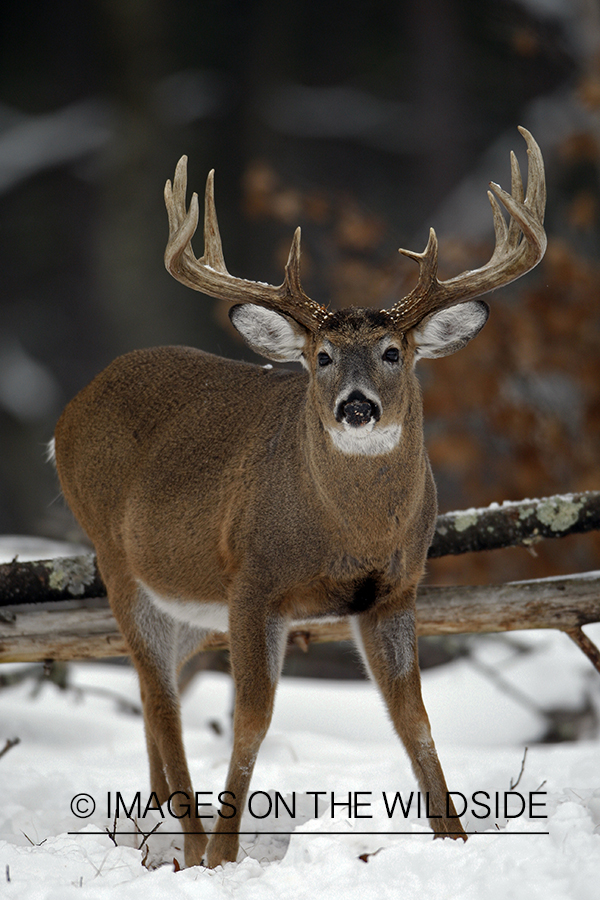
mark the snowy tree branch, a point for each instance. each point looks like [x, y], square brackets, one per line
[522, 523]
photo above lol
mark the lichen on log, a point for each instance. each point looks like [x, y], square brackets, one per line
[43, 581]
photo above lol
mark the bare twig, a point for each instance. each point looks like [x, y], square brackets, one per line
[125, 705]
[112, 835]
[10, 743]
[513, 786]
[505, 686]
[585, 644]
[11, 679]
[149, 834]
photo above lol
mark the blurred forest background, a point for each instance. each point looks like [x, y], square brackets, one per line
[365, 124]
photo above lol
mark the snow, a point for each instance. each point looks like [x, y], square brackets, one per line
[27, 549]
[325, 736]
[83, 745]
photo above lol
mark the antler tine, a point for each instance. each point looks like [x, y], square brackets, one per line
[501, 230]
[182, 223]
[427, 261]
[209, 273]
[516, 189]
[213, 247]
[292, 266]
[519, 247]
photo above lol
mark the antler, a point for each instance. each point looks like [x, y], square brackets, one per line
[520, 246]
[513, 256]
[209, 274]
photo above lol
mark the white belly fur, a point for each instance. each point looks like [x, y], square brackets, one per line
[207, 616]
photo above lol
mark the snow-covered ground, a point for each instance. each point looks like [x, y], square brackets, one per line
[330, 737]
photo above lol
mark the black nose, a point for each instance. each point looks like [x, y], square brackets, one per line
[357, 410]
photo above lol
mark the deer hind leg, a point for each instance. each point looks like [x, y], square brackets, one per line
[154, 639]
[187, 642]
[389, 646]
[257, 646]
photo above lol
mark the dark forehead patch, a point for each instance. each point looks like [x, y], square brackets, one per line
[354, 319]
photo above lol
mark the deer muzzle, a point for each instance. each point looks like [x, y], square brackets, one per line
[358, 410]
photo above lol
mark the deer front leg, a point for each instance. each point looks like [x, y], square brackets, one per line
[389, 645]
[257, 645]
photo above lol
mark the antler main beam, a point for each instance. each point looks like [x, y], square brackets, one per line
[209, 273]
[519, 247]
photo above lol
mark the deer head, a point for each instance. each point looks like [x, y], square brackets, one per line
[359, 359]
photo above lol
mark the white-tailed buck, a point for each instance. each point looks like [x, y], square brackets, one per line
[224, 496]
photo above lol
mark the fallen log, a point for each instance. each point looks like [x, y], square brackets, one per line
[86, 629]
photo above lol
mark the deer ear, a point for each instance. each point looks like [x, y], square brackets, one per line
[449, 330]
[269, 333]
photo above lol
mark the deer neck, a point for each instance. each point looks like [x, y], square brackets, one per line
[370, 499]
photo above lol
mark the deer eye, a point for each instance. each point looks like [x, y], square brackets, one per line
[323, 358]
[392, 355]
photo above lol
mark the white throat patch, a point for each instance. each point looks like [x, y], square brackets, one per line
[369, 440]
